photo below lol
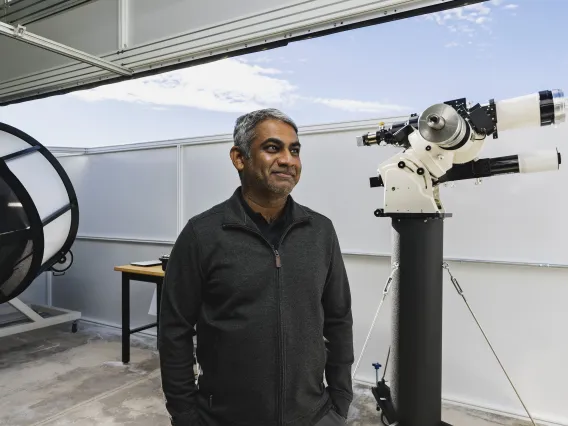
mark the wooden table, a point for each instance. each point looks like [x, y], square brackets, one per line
[150, 274]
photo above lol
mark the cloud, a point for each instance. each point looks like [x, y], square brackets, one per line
[496, 2]
[511, 6]
[258, 60]
[470, 13]
[264, 59]
[452, 44]
[478, 8]
[229, 85]
[465, 19]
[360, 106]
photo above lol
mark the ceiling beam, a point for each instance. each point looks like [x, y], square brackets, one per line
[20, 33]
[25, 12]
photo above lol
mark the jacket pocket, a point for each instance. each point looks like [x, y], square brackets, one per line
[333, 412]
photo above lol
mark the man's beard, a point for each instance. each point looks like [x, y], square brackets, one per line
[279, 190]
[284, 189]
[258, 181]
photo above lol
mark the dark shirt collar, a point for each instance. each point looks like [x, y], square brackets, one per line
[235, 211]
[258, 218]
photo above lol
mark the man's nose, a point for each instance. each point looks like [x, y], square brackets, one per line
[285, 157]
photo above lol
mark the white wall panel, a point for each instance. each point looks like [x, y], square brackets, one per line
[521, 309]
[209, 177]
[36, 293]
[335, 182]
[77, 169]
[92, 287]
[523, 312]
[126, 194]
[514, 217]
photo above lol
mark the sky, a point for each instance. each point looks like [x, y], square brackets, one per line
[392, 69]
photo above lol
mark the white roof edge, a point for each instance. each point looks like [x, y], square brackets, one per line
[66, 150]
[223, 138]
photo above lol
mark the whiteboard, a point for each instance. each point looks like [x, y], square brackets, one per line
[148, 37]
[513, 218]
[130, 194]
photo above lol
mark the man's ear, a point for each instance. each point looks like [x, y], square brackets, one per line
[237, 158]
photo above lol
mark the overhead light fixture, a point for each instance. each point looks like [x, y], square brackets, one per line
[39, 213]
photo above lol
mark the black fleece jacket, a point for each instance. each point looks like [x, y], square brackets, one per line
[271, 321]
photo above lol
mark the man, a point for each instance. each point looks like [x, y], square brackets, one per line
[262, 279]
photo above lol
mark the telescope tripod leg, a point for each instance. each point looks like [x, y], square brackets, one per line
[461, 293]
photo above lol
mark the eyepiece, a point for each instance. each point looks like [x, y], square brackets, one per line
[366, 140]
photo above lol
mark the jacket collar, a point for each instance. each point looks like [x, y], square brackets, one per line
[235, 213]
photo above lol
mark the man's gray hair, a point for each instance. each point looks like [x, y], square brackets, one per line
[245, 127]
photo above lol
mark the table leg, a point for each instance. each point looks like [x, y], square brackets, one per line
[125, 318]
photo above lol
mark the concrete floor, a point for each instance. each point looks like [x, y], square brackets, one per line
[53, 377]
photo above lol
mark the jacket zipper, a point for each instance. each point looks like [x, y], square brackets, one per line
[280, 341]
[278, 261]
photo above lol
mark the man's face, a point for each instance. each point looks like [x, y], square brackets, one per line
[274, 163]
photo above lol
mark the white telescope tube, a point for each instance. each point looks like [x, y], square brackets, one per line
[538, 109]
[539, 161]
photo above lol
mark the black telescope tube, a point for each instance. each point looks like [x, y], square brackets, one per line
[504, 165]
[412, 120]
[484, 167]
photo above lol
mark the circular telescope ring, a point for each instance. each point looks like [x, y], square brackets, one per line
[34, 232]
[35, 222]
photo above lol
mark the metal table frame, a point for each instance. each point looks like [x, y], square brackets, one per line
[127, 277]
